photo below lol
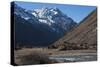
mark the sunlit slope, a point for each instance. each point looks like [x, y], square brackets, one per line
[84, 36]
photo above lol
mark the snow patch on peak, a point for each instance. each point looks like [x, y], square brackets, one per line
[45, 21]
[42, 20]
[26, 18]
[55, 12]
[34, 13]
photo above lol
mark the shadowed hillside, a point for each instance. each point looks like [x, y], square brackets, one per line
[84, 36]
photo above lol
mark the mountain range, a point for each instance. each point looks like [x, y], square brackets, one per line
[39, 27]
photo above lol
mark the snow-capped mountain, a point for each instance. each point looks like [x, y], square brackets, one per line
[52, 17]
[40, 26]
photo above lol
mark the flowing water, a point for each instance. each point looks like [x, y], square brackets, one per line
[74, 58]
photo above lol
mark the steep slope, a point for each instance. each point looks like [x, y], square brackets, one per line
[84, 36]
[39, 27]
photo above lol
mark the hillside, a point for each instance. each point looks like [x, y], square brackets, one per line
[84, 36]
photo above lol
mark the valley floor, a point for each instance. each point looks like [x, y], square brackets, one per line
[57, 56]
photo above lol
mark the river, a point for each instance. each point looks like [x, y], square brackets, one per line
[75, 58]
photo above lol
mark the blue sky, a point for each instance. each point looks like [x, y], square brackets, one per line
[76, 12]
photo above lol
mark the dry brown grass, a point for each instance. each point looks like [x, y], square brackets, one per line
[32, 56]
